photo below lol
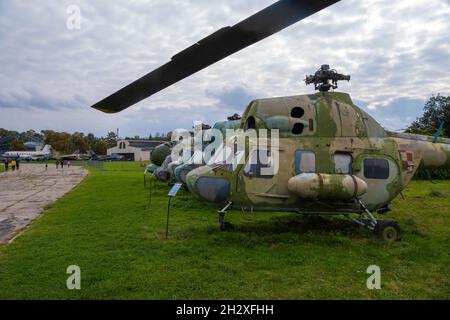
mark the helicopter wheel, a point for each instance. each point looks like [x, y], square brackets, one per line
[387, 230]
[226, 226]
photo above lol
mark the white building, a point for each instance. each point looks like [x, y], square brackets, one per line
[134, 150]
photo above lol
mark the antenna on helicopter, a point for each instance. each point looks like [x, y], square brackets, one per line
[325, 78]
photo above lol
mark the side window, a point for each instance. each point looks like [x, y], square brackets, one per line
[376, 168]
[343, 163]
[305, 161]
[250, 124]
[255, 164]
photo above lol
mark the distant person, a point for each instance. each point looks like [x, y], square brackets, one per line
[57, 164]
[6, 163]
[13, 165]
[46, 166]
[17, 164]
[68, 164]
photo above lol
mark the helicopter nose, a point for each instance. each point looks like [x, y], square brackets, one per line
[181, 174]
[211, 189]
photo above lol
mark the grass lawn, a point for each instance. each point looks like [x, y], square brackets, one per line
[106, 227]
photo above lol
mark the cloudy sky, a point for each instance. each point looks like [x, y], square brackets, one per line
[398, 53]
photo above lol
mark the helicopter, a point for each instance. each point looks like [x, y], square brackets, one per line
[333, 157]
[176, 171]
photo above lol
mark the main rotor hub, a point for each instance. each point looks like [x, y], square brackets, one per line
[325, 78]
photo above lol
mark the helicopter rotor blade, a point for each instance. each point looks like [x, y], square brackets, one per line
[212, 49]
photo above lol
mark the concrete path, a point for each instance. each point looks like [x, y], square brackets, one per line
[25, 193]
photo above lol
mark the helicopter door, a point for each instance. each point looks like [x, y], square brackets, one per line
[382, 177]
[259, 180]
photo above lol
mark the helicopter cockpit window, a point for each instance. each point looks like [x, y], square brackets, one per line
[250, 123]
[343, 163]
[376, 168]
[305, 161]
[255, 164]
[297, 112]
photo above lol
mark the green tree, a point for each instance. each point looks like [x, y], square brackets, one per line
[436, 109]
[100, 147]
[60, 141]
[78, 141]
[5, 133]
[17, 145]
[91, 140]
[111, 139]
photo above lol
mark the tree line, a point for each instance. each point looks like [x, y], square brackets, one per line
[61, 142]
[435, 111]
[67, 143]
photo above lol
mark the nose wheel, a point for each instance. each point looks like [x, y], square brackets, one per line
[223, 225]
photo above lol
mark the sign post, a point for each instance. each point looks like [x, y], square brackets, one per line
[172, 193]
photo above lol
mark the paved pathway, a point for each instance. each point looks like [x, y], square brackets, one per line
[24, 194]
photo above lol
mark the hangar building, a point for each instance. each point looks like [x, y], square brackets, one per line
[134, 150]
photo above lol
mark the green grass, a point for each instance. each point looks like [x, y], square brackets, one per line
[125, 166]
[106, 227]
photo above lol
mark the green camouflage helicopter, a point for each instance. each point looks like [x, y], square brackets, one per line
[333, 157]
[166, 170]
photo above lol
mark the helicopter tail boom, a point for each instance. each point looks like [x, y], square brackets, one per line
[434, 153]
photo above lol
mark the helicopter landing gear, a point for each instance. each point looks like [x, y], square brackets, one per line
[368, 220]
[385, 229]
[223, 225]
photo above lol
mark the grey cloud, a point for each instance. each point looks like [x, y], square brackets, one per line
[395, 51]
[237, 97]
[396, 115]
